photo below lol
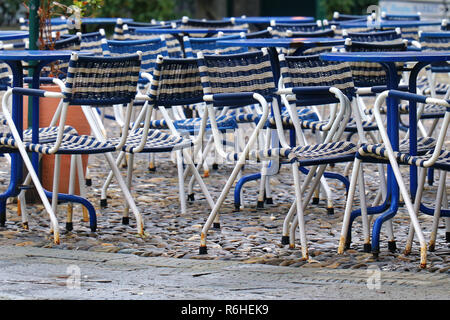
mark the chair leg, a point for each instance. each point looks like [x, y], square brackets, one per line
[343, 241]
[125, 217]
[181, 191]
[363, 205]
[103, 200]
[56, 183]
[82, 188]
[418, 199]
[69, 220]
[300, 217]
[437, 210]
[218, 204]
[127, 194]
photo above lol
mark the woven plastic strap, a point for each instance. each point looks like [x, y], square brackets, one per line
[102, 80]
[248, 72]
[176, 82]
[311, 71]
[369, 74]
[150, 49]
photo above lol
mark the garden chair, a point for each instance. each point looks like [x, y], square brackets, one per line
[437, 158]
[115, 83]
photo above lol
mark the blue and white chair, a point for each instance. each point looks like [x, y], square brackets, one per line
[90, 81]
[235, 81]
[437, 158]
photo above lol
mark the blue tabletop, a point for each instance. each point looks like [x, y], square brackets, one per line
[293, 19]
[403, 56]
[389, 24]
[95, 20]
[280, 42]
[12, 35]
[188, 30]
[34, 55]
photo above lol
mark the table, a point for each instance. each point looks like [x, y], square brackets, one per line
[266, 20]
[388, 60]
[14, 59]
[6, 35]
[389, 24]
[188, 31]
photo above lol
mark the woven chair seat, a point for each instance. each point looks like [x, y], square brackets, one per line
[193, 124]
[429, 111]
[333, 152]
[378, 151]
[304, 114]
[157, 141]
[48, 134]
[443, 161]
[71, 144]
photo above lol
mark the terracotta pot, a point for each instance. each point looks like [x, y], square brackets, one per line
[76, 119]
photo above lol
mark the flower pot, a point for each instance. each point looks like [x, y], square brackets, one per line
[76, 119]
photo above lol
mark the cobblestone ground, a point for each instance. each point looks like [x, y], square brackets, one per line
[250, 235]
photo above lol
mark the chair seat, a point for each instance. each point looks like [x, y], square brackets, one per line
[350, 127]
[71, 144]
[378, 151]
[193, 124]
[325, 153]
[430, 111]
[304, 114]
[48, 134]
[157, 141]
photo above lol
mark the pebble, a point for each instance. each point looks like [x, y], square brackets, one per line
[250, 235]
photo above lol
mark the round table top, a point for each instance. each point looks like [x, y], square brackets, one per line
[395, 56]
[13, 35]
[390, 24]
[37, 55]
[280, 42]
[293, 19]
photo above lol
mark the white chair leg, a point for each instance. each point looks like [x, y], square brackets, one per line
[437, 210]
[343, 243]
[300, 217]
[126, 210]
[69, 220]
[181, 191]
[81, 186]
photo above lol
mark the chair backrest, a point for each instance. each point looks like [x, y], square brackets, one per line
[209, 45]
[16, 44]
[436, 41]
[102, 80]
[400, 17]
[176, 82]
[150, 49]
[368, 74]
[92, 41]
[281, 29]
[174, 45]
[237, 73]
[311, 71]
[389, 36]
[4, 76]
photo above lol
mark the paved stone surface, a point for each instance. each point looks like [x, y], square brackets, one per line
[40, 273]
[247, 245]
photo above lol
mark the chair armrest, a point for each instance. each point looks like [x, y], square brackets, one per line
[37, 93]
